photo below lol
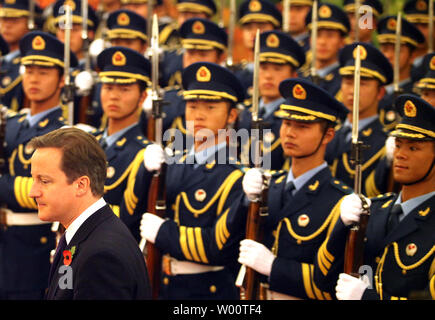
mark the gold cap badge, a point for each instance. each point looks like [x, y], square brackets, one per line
[362, 52]
[432, 63]
[421, 5]
[254, 6]
[391, 24]
[70, 3]
[272, 41]
[203, 74]
[123, 19]
[299, 92]
[198, 27]
[409, 109]
[38, 43]
[119, 59]
[325, 12]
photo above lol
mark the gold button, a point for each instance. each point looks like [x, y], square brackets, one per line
[43, 240]
[166, 281]
[213, 289]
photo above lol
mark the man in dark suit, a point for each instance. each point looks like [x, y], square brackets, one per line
[97, 257]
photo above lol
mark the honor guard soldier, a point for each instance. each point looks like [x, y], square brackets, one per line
[426, 85]
[202, 40]
[124, 28]
[14, 24]
[199, 238]
[187, 9]
[297, 28]
[410, 39]
[400, 242]
[280, 58]
[168, 36]
[376, 72]
[333, 28]
[76, 31]
[26, 240]
[369, 13]
[300, 200]
[253, 15]
[124, 76]
[417, 12]
[79, 47]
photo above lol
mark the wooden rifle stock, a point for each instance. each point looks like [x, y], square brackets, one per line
[354, 252]
[157, 206]
[3, 112]
[257, 211]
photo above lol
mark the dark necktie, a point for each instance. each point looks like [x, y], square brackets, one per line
[393, 219]
[103, 143]
[288, 192]
[59, 252]
[25, 124]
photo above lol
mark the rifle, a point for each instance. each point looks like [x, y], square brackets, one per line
[231, 27]
[31, 20]
[69, 87]
[354, 250]
[85, 108]
[248, 279]
[3, 114]
[313, 72]
[397, 89]
[356, 26]
[430, 44]
[286, 16]
[157, 192]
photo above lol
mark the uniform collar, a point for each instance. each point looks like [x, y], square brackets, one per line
[39, 116]
[270, 107]
[205, 156]
[300, 181]
[326, 70]
[115, 137]
[409, 205]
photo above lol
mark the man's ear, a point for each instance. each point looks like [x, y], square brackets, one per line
[83, 185]
[232, 116]
[142, 98]
[329, 135]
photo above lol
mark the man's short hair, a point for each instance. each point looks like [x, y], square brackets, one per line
[82, 155]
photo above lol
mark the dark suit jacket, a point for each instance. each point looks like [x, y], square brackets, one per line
[106, 263]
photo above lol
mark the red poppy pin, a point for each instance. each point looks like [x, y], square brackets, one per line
[68, 255]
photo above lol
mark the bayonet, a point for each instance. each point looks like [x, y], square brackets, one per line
[431, 17]
[286, 16]
[31, 20]
[231, 28]
[356, 25]
[314, 17]
[69, 88]
[397, 53]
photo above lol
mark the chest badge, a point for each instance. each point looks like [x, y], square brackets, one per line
[303, 220]
[200, 195]
[411, 249]
[110, 172]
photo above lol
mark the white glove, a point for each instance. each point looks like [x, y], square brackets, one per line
[252, 183]
[350, 288]
[351, 209]
[390, 145]
[84, 82]
[256, 256]
[154, 156]
[149, 226]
